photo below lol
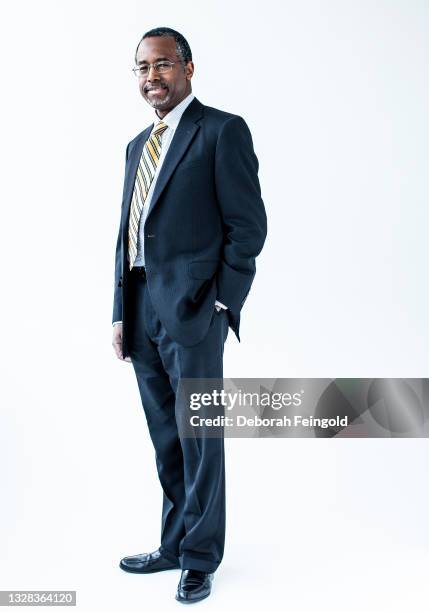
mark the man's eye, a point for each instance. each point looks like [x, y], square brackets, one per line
[143, 70]
[163, 65]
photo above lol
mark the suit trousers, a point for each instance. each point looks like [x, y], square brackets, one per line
[191, 470]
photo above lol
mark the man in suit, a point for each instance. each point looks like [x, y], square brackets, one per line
[192, 223]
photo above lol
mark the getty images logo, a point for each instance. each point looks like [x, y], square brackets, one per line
[232, 400]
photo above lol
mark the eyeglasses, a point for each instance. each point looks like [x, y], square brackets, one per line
[160, 67]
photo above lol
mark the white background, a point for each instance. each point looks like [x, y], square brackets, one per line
[336, 96]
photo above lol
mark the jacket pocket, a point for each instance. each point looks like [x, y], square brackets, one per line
[203, 269]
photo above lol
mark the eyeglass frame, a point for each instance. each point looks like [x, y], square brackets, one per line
[149, 66]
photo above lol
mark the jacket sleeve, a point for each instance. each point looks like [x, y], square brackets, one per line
[242, 209]
[117, 295]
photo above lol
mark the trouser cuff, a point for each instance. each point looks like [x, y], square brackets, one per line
[168, 555]
[187, 561]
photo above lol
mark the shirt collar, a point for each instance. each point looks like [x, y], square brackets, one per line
[173, 117]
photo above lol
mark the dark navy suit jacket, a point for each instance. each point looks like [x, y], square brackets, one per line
[205, 226]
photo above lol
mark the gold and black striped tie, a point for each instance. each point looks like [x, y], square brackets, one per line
[144, 177]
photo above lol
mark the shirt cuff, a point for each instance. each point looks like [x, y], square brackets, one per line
[116, 322]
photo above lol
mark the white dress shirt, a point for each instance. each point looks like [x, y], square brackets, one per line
[171, 119]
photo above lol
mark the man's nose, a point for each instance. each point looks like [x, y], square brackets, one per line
[152, 74]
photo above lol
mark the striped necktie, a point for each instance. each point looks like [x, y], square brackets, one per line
[144, 177]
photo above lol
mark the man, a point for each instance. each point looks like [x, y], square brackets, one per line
[192, 223]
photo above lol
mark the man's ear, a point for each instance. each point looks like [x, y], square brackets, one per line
[189, 70]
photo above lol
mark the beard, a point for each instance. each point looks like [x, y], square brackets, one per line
[160, 102]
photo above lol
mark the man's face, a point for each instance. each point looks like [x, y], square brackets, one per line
[163, 91]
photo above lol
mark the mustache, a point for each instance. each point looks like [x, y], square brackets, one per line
[150, 87]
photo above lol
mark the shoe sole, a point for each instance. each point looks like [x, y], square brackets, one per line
[191, 601]
[149, 571]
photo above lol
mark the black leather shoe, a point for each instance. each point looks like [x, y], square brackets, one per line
[193, 586]
[147, 563]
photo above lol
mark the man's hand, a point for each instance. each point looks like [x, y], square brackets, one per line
[117, 342]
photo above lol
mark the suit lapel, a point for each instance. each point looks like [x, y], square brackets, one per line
[182, 138]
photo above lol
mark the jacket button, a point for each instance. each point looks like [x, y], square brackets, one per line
[150, 235]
